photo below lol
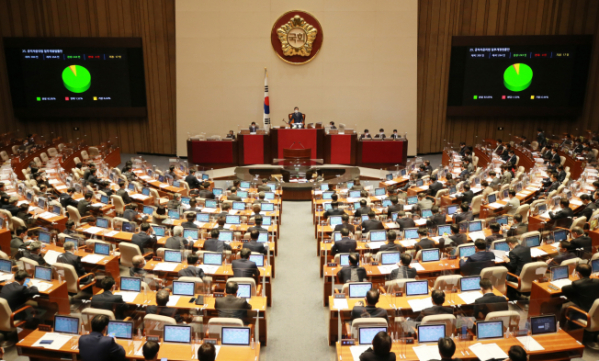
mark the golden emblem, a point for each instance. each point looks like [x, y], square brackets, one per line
[297, 36]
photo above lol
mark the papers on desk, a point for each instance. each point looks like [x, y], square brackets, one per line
[163, 185]
[139, 196]
[92, 258]
[165, 266]
[420, 304]
[387, 269]
[561, 283]
[425, 352]
[477, 235]
[476, 189]
[53, 181]
[34, 209]
[5, 276]
[199, 224]
[98, 205]
[390, 182]
[111, 234]
[94, 230]
[127, 296]
[576, 202]
[420, 222]
[495, 205]
[172, 301]
[470, 297]
[352, 200]
[56, 340]
[408, 243]
[208, 269]
[47, 215]
[21, 202]
[356, 351]
[208, 210]
[488, 351]
[391, 225]
[537, 252]
[417, 266]
[529, 343]
[340, 304]
[145, 177]
[499, 255]
[407, 207]
[41, 285]
[423, 187]
[375, 245]
[51, 256]
[544, 215]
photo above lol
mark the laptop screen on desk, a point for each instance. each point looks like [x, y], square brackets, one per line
[501, 246]
[324, 187]
[387, 202]
[120, 329]
[492, 198]
[258, 259]
[430, 255]
[427, 213]
[380, 192]
[365, 217]
[172, 256]
[266, 220]
[65, 324]
[541, 208]
[411, 233]
[43, 273]
[327, 206]
[104, 199]
[176, 333]
[242, 194]
[225, 236]
[430, 333]
[441, 230]
[44, 237]
[102, 222]
[132, 284]
[238, 206]
[244, 185]
[417, 288]
[389, 258]
[184, 200]
[451, 210]
[5, 266]
[56, 210]
[188, 232]
[145, 191]
[595, 264]
[561, 235]
[489, 329]
[235, 336]
[501, 220]
[211, 203]
[532, 241]
[475, 226]
[74, 241]
[336, 236]
[359, 290]
[213, 259]
[183, 288]
[335, 220]
[412, 200]
[470, 283]
[467, 251]
[419, 183]
[559, 273]
[327, 195]
[217, 191]
[543, 324]
[367, 334]
[354, 194]
[233, 219]
[244, 290]
[203, 217]
[267, 207]
[269, 195]
[103, 249]
[389, 176]
[262, 237]
[378, 236]
[128, 227]
[159, 230]
[173, 214]
[344, 260]
[394, 216]
[349, 184]
[148, 210]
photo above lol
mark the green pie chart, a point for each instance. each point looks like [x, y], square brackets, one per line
[76, 78]
[517, 77]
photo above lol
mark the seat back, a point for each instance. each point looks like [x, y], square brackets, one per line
[345, 287]
[571, 262]
[367, 322]
[119, 204]
[88, 314]
[154, 324]
[5, 312]
[397, 284]
[510, 319]
[52, 152]
[74, 215]
[4, 156]
[44, 157]
[84, 155]
[578, 222]
[448, 320]
[447, 282]
[93, 152]
[476, 203]
[128, 251]
[68, 273]
[529, 274]
[593, 326]
[29, 265]
[379, 255]
[497, 276]
[245, 280]
[216, 324]
[18, 222]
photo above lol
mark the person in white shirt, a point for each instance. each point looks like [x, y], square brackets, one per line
[513, 204]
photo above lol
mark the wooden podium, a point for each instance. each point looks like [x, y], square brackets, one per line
[305, 153]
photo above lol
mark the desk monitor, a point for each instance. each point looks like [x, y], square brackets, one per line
[471, 283]
[29, 196]
[177, 333]
[104, 199]
[532, 241]
[452, 209]
[430, 255]
[233, 219]
[238, 206]
[335, 220]
[43, 273]
[56, 210]
[184, 288]
[595, 265]
[205, 176]
[518, 187]
[475, 226]
[354, 194]
[266, 220]
[394, 216]
[5, 265]
[453, 190]
[410, 233]
[492, 198]
[501, 220]
[120, 329]
[427, 213]
[389, 258]
[365, 217]
[412, 200]
[145, 191]
[244, 185]
[262, 237]
[416, 288]
[235, 336]
[349, 185]
[172, 256]
[403, 172]
[177, 184]
[203, 217]
[541, 208]
[244, 290]
[213, 259]
[225, 236]
[441, 230]
[159, 231]
[217, 191]
[327, 206]
[101, 248]
[489, 329]
[66, 324]
[389, 176]
[336, 236]
[190, 232]
[132, 284]
[387, 202]
[128, 227]
[378, 235]
[267, 207]
[131, 187]
[184, 200]
[270, 195]
[357, 205]
[501, 246]
[543, 324]
[173, 214]
[325, 195]
[273, 186]
[161, 178]
[44, 237]
[380, 192]
[477, 180]
[419, 183]
[211, 203]
[467, 251]
[504, 193]
[560, 235]
[344, 260]
[148, 210]
[258, 259]
[41, 202]
[242, 194]
[367, 334]
[430, 333]
[559, 273]
[359, 290]
[102, 222]
[324, 187]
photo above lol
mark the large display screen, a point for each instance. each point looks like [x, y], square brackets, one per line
[76, 77]
[518, 75]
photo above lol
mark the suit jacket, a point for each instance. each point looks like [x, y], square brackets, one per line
[164, 311]
[137, 272]
[372, 224]
[233, 197]
[402, 272]
[245, 268]
[345, 245]
[255, 247]
[467, 196]
[424, 243]
[519, 256]
[541, 139]
[588, 211]
[463, 216]
[16, 295]
[192, 181]
[175, 242]
[380, 136]
[345, 273]
[457, 239]
[34, 257]
[367, 311]
[582, 242]
[394, 208]
[365, 136]
[96, 347]
[191, 271]
[562, 213]
[554, 186]
[253, 129]
[143, 240]
[263, 188]
[66, 200]
[561, 176]
[333, 212]
[493, 237]
[214, 245]
[582, 292]
[130, 214]
[557, 260]
[107, 301]
[231, 306]
[478, 257]
[438, 219]
[405, 223]
[435, 310]
[434, 188]
[73, 260]
[518, 229]
[391, 247]
[362, 210]
[495, 182]
[513, 160]
[83, 207]
[369, 355]
[190, 225]
[481, 307]
[555, 157]
[349, 227]
[297, 118]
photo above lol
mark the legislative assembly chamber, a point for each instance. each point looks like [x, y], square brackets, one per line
[367, 180]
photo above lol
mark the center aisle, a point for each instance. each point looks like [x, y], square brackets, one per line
[297, 328]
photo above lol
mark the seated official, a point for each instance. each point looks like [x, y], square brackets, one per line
[353, 272]
[424, 202]
[34, 253]
[589, 207]
[191, 270]
[334, 211]
[446, 349]
[381, 134]
[363, 209]
[345, 245]
[395, 135]
[578, 241]
[394, 207]
[518, 257]
[85, 205]
[264, 186]
[370, 310]
[231, 135]
[425, 242]
[296, 119]
[175, 202]
[258, 225]
[380, 350]
[12, 205]
[190, 218]
[513, 203]
[495, 234]
[160, 215]
[24, 215]
[518, 227]
[564, 212]
[345, 224]
[422, 172]
[438, 218]
[480, 254]
[332, 126]
[438, 298]
[231, 305]
[435, 186]
[233, 196]
[487, 189]
[390, 245]
[404, 271]
[206, 352]
[214, 245]
[253, 127]
[138, 270]
[176, 241]
[582, 292]
[150, 351]
[107, 300]
[68, 257]
[357, 186]
[161, 309]
[221, 221]
[365, 135]
[18, 241]
[563, 254]
[404, 221]
[517, 353]
[192, 180]
[261, 197]
[253, 244]
[243, 267]
[465, 215]
[131, 213]
[97, 346]
[17, 293]
[481, 308]
[467, 195]
[456, 237]
[372, 223]
[145, 238]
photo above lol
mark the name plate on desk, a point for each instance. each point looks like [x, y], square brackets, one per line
[45, 328]
[407, 340]
[339, 295]
[375, 263]
[332, 264]
[153, 338]
[348, 342]
[210, 340]
[157, 259]
[219, 294]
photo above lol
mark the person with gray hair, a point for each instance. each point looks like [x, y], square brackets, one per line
[174, 203]
[161, 309]
[34, 253]
[138, 266]
[68, 257]
[261, 197]
[176, 241]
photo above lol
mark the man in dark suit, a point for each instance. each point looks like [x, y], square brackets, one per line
[456, 237]
[438, 298]
[353, 272]
[552, 184]
[404, 221]
[66, 199]
[518, 227]
[579, 240]
[554, 156]
[357, 186]
[446, 349]
[108, 301]
[370, 310]
[365, 135]
[162, 298]
[192, 180]
[264, 187]
[589, 207]
[467, 195]
[465, 215]
[435, 186]
[564, 212]
[404, 270]
[390, 245]
[381, 134]
[481, 307]
[233, 196]
[122, 192]
[345, 245]
[480, 254]
[17, 293]
[296, 118]
[231, 305]
[253, 127]
[394, 207]
[84, 205]
[463, 149]
[512, 157]
[191, 270]
[584, 291]
[541, 138]
[69, 258]
[395, 135]
[98, 347]
[564, 254]
[145, 238]
[380, 350]
[253, 244]
[424, 243]
[18, 241]
[495, 234]
[334, 211]
[189, 219]
[438, 218]
[176, 241]
[34, 253]
[561, 173]
[372, 223]
[519, 256]
[258, 225]
[214, 245]
[363, 208]
[422, 172]
[205, 191]
[345, 224]
[243, 267]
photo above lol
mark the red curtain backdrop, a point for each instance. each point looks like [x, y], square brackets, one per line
[253, 149]
[340, 149]
[206, 152]
[307, 138]
[382, 152]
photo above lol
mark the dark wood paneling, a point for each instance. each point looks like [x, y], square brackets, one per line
[152, 20]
